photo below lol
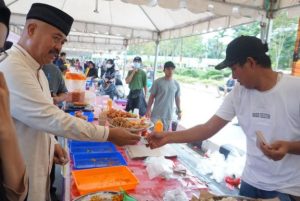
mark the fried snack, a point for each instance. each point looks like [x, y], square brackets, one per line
[99, 198]
[80, 104]
[113, 113]
[80, 115]
[126, 123]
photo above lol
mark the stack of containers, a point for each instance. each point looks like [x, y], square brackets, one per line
[98, 166]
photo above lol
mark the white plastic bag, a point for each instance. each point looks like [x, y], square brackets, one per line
[159, 166]
[175, 195]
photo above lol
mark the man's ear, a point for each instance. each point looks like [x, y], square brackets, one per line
[251, 61]
[31, 29]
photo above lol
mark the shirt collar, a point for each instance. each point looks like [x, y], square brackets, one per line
[27, 57]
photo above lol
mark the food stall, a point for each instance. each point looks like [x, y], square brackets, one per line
[125, 163]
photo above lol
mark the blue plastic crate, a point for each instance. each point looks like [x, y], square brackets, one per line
[90, 115]
[97, 160]
[91, 147]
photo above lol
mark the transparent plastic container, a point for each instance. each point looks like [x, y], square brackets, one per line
[75, 83]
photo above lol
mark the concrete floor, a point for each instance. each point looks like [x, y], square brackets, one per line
[199, 103]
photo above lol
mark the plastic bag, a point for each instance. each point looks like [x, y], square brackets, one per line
[159, 166]
[175, 195]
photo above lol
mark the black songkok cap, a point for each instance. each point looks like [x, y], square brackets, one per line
[52, 16]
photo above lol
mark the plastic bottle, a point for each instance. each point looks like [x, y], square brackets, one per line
[109, 104]
[159, 126]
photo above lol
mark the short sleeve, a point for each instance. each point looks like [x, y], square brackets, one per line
[226, 110]
[154, 88]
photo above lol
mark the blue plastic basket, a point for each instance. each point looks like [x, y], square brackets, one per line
[91, 147]
[97, 160]
[90, 115]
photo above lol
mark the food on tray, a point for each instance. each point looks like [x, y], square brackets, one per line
[106, 198]
[112, 113]
[128, 123]
[80, 115]
[207, 196]
[80, 104]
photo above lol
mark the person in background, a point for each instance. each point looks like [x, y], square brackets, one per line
[110, 69]
[61, 60]
[163, 93]
[226, 88]
[57, 86]
[59, 93]
[137, 81]
[13, 176]
[34, 114]
[78, 66]
[91, 70]
[264, 101]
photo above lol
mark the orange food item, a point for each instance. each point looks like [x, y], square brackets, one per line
[75, 76]
[109, 104]
[112, 113]
[159, 126]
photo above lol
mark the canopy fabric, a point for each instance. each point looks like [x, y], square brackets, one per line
[114, 24]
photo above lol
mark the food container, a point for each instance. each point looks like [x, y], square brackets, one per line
[91, 147]
[102, 179]
[97, 160]
[75, 83]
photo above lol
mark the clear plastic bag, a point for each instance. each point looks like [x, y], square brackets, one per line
[175, 195]
[159, 166]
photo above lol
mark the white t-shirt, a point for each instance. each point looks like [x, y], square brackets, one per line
[276, 113]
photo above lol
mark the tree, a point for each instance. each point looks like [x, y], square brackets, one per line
[283, 41]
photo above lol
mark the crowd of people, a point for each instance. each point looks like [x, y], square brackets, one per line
[32, 87]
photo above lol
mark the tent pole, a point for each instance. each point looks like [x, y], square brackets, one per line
[155, 59]
[125, 56]
[269, 31]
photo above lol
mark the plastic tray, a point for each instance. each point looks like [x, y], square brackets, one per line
[98, 160]
[104, 179]
[91, 147]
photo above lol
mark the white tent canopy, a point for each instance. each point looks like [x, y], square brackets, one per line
[113, 24]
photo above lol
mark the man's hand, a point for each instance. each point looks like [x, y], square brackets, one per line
[56, 100]
[60, 155]
[276, 151]
[179, 115]
[148, 114]
[156, 140]
[121, 137]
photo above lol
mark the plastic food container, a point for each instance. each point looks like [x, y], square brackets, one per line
[91, 147]
[104, 179]
[75, 83]
[97, 160]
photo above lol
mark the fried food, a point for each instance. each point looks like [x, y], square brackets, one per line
[100, 198]
[113, 113]
[128, 123]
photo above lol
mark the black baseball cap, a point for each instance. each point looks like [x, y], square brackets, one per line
[243, 47]
[137, 59]
[169, 64]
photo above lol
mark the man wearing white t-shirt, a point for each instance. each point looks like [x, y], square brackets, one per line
[264, 101]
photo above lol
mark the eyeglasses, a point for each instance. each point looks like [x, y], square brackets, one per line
[3, 54]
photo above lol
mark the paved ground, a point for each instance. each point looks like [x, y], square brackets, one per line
[199, 103]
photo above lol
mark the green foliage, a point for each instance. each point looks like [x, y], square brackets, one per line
[283, 41]
[251, 29]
